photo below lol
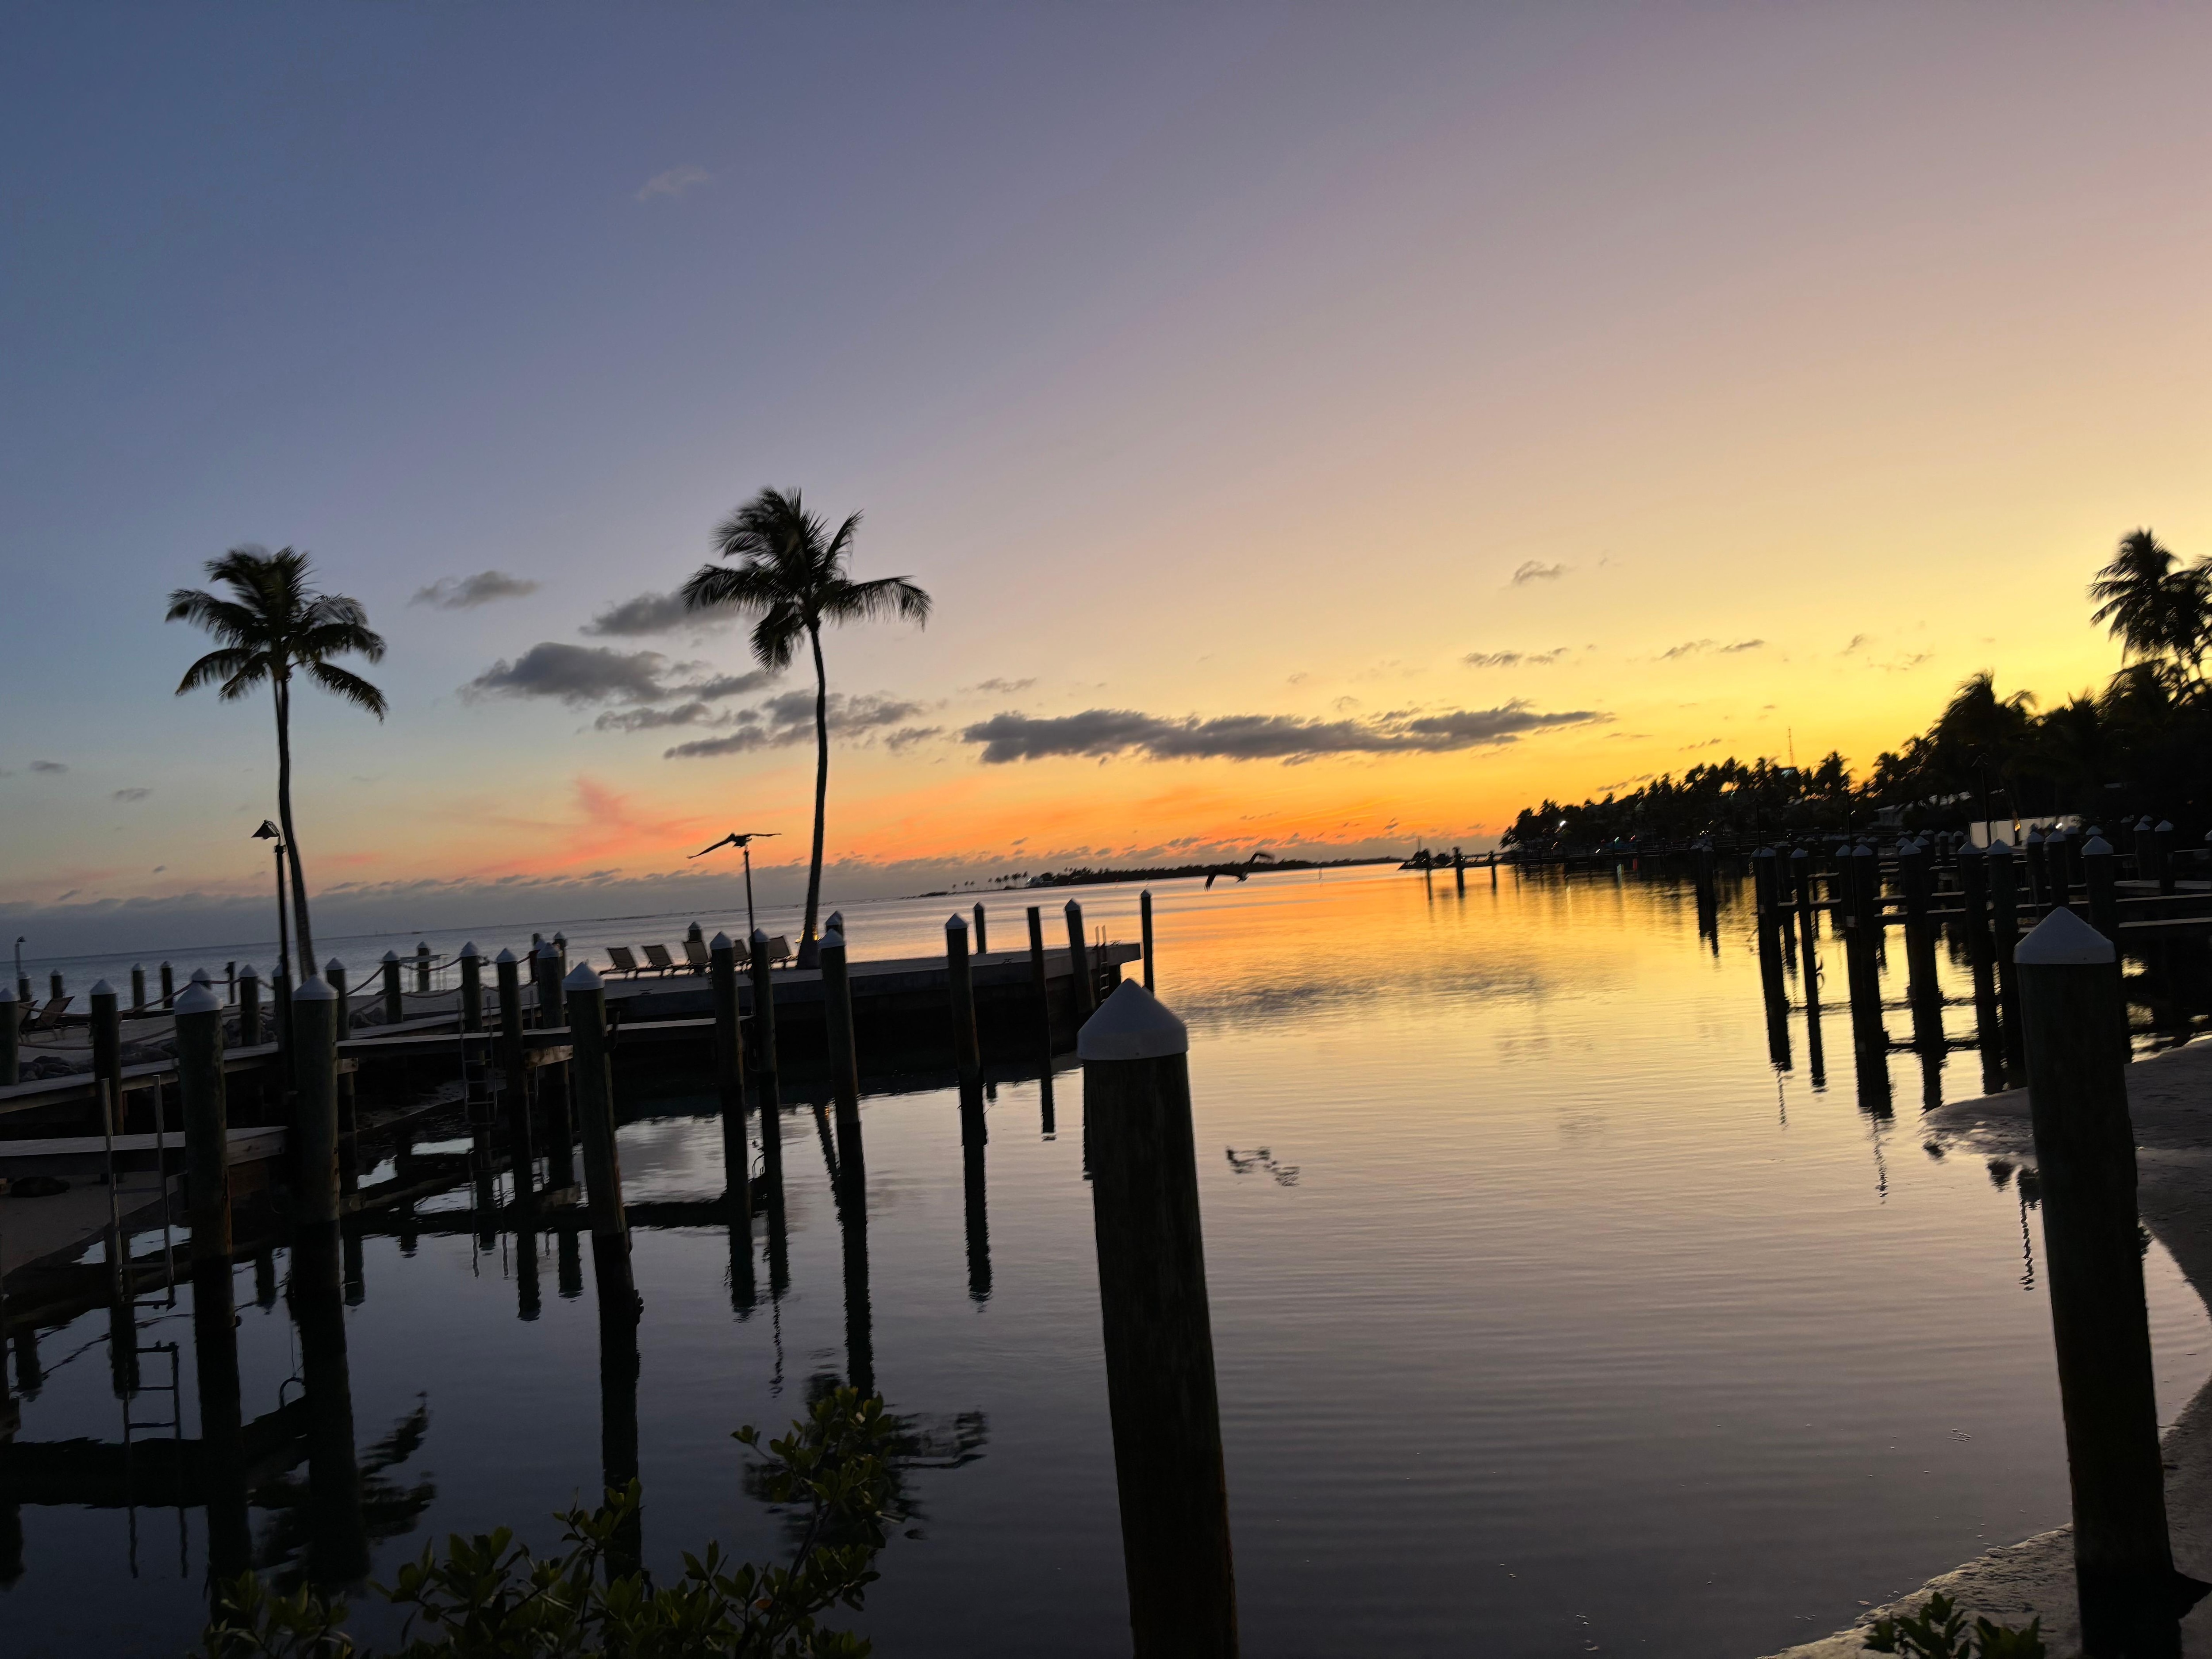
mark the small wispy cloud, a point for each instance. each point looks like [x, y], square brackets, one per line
[1535, 570]
[466, 592]
[1513, 659]
[674, 182]
[1857, 640]
[999, 688]
[52, 769]
[1699, 647]
[133, 793]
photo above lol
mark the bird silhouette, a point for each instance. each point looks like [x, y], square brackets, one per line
[1241, 871]
[736, 840]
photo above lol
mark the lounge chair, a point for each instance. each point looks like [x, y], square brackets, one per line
[779, 949]
[622, 961]
[46, 1018]
[696, 953]
[656, 956]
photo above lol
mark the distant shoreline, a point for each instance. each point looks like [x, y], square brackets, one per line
[1085, 877]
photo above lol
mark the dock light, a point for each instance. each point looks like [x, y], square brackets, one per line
[269, 832]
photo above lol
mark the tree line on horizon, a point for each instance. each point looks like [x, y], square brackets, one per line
[2142, 746]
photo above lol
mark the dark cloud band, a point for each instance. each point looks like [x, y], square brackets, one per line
[1103, 732]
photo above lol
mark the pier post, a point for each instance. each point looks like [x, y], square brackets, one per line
[395, 1010]
[422, 966]
[1764, 895]
[11, 1036]
[844, 1062]
[249, 1007]
[591, 1082]
[769, 1101]
[2004, 943]
[2038, 885]
[214, 1339]
[2077, 1092]
[169, 987]
[967, 1053]
[334, 976]
[230, 988]
[54, 982]
[552, 993]
[1038, 982]
[2161, 841]
[1974, 899]
[137, 985]
[983, 945]
[107, 1047]
[730, 1080]
[1160, 1387]
[1912, 878]
[1079, 964]
[315, 1120]
[1145, 931]
[1459, 871]
[2099, 879]
[472, 987]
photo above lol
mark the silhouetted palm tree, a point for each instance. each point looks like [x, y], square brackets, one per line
[2155, 605]
[273, 625]
[791, 575]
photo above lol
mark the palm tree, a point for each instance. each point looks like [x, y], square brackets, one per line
[791, 575]
[2155, 605]
[275, 623]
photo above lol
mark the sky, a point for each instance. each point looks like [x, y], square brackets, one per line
[1319, 428]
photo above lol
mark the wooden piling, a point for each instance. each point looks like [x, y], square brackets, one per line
[169, 987]
[1160, 1387]
[11, 1036]
[770, 1100]
[592, 1084]
[1974, 900]
[1145, 931]
[1762, 887]
[2086, 1159]
[54, 982]
[395, 1009]
[552, 997]
[472, 962]
[200, 1091]
[982, 946]
[315, 1119]
[1037, 980]
[422, 967]
[844, 1061]
[730, 1079]
[107, 1046]
[1079, 964]
[2162, 837]
[249, 1007]
[967, 1053]
[137, 985]
[2100, 881]
[334, 976]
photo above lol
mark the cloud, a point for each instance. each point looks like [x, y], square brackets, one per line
[674, 182]
[784, 720]
[650, 613]
[651, 720]
[577, 674]
[1513, 659]
[132, 793]
[582, 674]
[907, 736]
[1104, 732]
[1534, 570]
[1696, 648]
[53, 768]
[466, 592]
[1001, 688]
[1857, 640]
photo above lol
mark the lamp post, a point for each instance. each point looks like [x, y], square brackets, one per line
[269, 832]
[744, 844]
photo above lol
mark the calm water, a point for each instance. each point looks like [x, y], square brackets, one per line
[1551, 1318]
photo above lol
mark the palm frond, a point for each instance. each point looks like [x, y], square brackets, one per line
[873, 601]
[339, 683]
[776, 636]
[231, 664]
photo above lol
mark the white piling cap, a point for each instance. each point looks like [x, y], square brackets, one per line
[505, 954]
[313, 988]
[470, 950]
[197, 999]
[836, 922]
[102, 988]
[760, 936]
[581, 978]
[7, 993]
[391, 955]
[201, 976]
[334, 966]
[721, 942]
[248, 971]
[2001, 845]
[2034, 836]
[832, 940]
[2063, 939]
[2096, 847]
[1131, 1024]
[2165, 827]
[955, 921]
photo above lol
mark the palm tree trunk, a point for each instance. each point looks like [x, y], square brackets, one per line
[821, 795]
[308, 963]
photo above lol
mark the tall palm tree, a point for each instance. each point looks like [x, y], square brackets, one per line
[2155, 605]
[275, 624]
[791, 576]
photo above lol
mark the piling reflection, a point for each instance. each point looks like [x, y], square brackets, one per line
[338, 1546]
[973, 1137]
[850, 1183]
[214, 1359]
[618, 1373]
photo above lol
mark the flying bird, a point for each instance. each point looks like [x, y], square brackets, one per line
[735, 840]
[1241, 871]
[744, 844]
